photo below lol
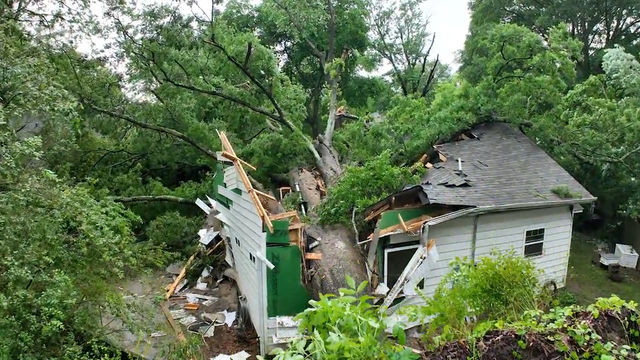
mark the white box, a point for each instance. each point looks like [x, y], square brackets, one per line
[628, 256]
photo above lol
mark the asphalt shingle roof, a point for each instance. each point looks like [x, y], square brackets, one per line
[499, 167]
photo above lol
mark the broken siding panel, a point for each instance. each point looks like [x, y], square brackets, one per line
[244, 207]
[247, 265]
[245, 225]
[504, 231]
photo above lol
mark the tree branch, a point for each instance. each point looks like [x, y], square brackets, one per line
[432, 75]
[424, 62]
[157, 128]
[157, 198]
[294, 20]
[507, 62]
[281, 118]
[212, 92]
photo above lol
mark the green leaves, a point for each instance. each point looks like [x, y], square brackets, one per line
[344, 327]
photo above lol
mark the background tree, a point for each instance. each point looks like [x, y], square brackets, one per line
[400, 37]
[598, 25]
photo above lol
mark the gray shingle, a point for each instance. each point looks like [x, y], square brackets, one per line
[501, 166]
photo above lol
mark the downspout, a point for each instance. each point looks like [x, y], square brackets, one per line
[473, 238]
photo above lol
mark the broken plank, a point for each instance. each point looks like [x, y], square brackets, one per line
[402, 224]
[283, 215]
[174, 326]
[377, 212]
[191, 306]
[442, 157]
[183, 273]
[313, 256]
[214, 248]
[429, 165]
[229, 156]
[264, 195]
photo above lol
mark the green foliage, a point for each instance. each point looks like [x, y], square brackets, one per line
[291, 201]
[607, 329]
[61, 252]
[174, 232]
[564, 192]
[362, 186]
[501, 287]
[344, 327]
[580, 18]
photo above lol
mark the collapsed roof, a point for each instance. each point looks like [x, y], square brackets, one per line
[496, 166]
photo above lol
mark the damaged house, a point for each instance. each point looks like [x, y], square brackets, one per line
[266, 252]
[490, 189]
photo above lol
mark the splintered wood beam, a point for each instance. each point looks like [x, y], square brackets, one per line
[313, 256]
[442, 157]
[237, 163]
[424, 158]
[429, 165]
[264, 195]
[283, 215]
[232, 157]
[182, 274]
[374, 214]
[402, 224]
[176, 328]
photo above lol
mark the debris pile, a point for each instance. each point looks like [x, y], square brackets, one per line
[206, 308]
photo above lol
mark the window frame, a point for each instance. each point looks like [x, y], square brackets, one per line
[386, 258]
[540, 241]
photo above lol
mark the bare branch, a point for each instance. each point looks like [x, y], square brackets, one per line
[157, 198]
[424, 60]
[432, 75]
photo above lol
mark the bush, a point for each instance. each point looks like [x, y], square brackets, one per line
[344, 327]
[503, 286]
[174, 232]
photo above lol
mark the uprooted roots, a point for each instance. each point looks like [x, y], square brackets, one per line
[618, 328]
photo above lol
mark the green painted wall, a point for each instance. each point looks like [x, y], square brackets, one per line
[280, 234]
[286, 296]
[219, 181]
[390, 217]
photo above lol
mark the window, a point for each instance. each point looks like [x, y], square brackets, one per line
[237, 241]
[252, 258]
[533, 242]
[396, 260]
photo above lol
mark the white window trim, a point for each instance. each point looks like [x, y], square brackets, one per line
[524, 242]
[394, 249]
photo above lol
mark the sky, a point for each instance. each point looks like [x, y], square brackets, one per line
[449, 20]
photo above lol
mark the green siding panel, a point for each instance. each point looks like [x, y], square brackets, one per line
[286, 296]
[390, 217]
[237, 191]
[280, 233]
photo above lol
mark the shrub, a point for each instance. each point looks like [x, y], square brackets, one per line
[502, 286]
[344, 327]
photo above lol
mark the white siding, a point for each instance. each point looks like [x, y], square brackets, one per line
[243, 223]
[504, 231]
[453, 239]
